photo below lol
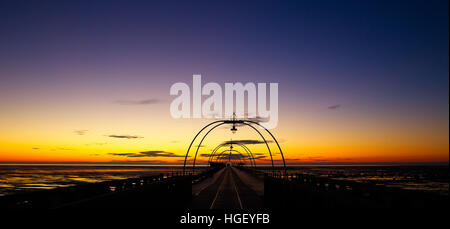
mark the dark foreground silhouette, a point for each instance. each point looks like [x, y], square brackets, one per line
[223, 187]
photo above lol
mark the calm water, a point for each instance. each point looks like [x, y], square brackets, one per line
[17, 178]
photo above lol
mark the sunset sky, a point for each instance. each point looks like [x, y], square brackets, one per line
[359, 81]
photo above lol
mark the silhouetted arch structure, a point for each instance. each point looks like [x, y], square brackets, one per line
[233, 122]
[220, 155]
[247, 150]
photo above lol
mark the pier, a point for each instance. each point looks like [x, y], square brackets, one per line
[227, 187]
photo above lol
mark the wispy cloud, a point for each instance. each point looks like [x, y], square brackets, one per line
[292, 159]
[246, 142]
[334, 107]
[153, 153]
[60, 148]
[231, 156]
[258, 119]
[138, 102]
[96, 144]
[243, 156]
[80, 132]
[142, 162]
[124, 136]
[200, 146]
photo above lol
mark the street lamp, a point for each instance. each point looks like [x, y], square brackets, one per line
[234, 129]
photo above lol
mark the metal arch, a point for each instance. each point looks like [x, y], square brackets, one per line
[234, 122]
[281, 152]
[190, 145]
[253, 156]
[267, 144]
[214, 150]
[247, 150]
[260, 134]
[249, 153]
[199, 144]
[223, 157]
[228, 150]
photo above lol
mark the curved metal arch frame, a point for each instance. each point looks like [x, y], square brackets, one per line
[190, 145]
[249, 152]
[228, 122]
[248, 157]
[265, 141]
[273, 137]
[228, 150]
[246, 149]
[201, 141]
[222, 122]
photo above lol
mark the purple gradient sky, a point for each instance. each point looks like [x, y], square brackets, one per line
[375, 58]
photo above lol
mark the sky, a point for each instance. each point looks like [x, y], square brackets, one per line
[88, 81]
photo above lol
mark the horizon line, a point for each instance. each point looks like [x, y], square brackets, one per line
[142, 163]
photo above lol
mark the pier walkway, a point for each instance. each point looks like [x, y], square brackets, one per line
[229, 188]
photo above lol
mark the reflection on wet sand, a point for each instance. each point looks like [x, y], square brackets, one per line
[17, 178]
[425, 178]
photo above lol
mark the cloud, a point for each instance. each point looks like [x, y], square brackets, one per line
[80, 132]
[96, 144]
[35, 148]
[143, 162]
[124, 136]
[232, 157]
[246, 142]
[154, 153]
[60, 148]
[259, 119]
[243, 156]
[138, 102]
[334, 107]
[200, 146]
[139, 162]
